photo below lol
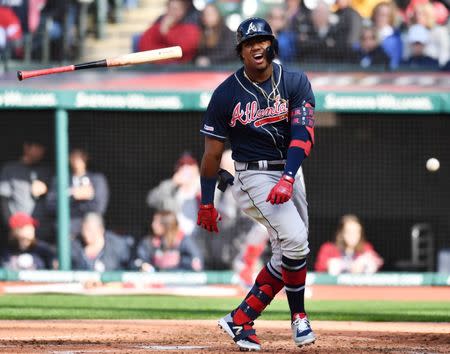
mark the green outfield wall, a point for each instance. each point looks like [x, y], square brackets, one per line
[354, 101]
[222, 277]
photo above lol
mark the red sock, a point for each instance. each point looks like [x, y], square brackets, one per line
[294, 276]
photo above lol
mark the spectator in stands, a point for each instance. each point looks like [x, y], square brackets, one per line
[349, 24]
[24, 185]
[193, 15]
[89, 191]
[24, 250]
[99, 249]
[180, 194]
[365, 7]
[297, 13]
[438, 44]
[217, 41]
[10, 30]
[292, 8]
[350, 252]
[59, 18]
[441, 11]
[34, 14]
[369, 54]
[278, 21]
[167, 248]
[385, 18]
[173, 28]
[28, 12]
[417, 38]
[317, 39]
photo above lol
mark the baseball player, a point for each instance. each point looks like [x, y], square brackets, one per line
[267, 113]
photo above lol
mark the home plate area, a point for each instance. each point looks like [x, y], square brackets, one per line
[203, 336]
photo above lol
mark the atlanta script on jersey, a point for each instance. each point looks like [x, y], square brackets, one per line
[257, 121]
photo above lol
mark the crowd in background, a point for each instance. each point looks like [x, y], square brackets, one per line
[364, 34]
[28, 196]
[369, 34]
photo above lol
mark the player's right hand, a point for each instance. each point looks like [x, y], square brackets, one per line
[208, 217]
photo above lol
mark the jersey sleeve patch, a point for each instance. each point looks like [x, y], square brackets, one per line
[208, 128]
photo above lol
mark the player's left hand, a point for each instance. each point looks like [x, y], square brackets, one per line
[282, 191]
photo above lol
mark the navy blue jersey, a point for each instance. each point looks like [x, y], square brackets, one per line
[257, 124]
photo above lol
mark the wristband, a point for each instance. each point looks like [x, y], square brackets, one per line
[206, 206]
[288, 178]
[208, 185]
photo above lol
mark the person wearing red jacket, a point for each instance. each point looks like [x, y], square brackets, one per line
[10, 28]
[171, 29]
[350, 253]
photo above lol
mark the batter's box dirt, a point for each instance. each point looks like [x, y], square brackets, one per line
[178, 336]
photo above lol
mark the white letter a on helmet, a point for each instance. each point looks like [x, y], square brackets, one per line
[251, 28]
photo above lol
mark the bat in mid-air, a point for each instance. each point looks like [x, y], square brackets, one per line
[147, 56]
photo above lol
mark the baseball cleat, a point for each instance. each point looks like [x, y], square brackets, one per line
[301, 330]
[243, 335]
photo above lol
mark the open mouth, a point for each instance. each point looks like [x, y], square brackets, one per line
[258, 57]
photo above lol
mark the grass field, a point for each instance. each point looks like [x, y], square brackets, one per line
[50, 306]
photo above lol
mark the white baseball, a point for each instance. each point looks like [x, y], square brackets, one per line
[433, 164]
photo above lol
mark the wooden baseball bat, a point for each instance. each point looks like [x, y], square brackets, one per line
[147, 56]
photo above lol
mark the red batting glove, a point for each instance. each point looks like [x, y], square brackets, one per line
[208, 217]
[282, 191]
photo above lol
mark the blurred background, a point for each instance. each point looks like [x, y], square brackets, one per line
[380, 70]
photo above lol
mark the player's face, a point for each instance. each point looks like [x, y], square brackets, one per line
[254, 53]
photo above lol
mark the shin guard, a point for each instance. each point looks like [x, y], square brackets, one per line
[266, 286]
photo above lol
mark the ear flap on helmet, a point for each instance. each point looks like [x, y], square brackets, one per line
[272, 50]
[275, 46]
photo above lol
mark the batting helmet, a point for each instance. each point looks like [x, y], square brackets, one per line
[256, 27]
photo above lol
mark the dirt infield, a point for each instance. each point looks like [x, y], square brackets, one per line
[163, 336]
